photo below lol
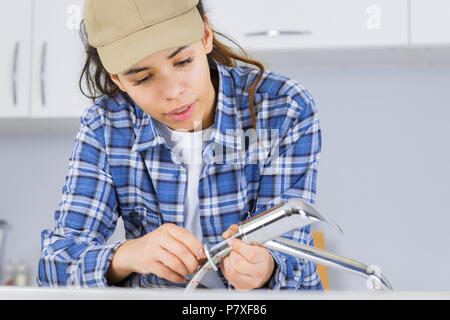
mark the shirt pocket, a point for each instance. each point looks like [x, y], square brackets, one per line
[140, 220]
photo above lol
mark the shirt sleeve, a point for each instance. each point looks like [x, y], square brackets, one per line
[75, 252]
[291, 172]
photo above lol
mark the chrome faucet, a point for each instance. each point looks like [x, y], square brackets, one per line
[266, 229]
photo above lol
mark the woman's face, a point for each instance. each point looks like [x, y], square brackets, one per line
[174, 78]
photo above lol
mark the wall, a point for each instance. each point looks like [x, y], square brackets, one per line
[384, 173]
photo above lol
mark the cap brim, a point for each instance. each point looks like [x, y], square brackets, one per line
[181, 30]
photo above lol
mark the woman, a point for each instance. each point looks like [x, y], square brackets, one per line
[164, 147]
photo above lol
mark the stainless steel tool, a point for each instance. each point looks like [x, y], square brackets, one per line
[266, 229]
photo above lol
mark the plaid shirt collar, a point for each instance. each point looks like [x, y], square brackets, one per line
[148, 136]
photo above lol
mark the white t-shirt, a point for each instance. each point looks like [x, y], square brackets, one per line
[189, 145]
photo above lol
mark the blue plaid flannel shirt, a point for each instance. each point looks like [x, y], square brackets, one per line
[121, 167]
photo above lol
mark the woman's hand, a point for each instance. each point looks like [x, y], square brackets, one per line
[247, 266]
[170, 252]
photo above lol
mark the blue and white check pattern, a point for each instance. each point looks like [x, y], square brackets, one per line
[121, 167]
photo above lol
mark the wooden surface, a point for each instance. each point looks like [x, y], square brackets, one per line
[319, 242]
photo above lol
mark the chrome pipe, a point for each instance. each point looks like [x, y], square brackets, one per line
[299, 250]
[274, 222]
[271, 224]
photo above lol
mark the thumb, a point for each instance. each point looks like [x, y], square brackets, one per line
[230, 231]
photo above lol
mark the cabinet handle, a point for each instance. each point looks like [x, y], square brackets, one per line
[276, 33]
[14, 73]
[43, 62]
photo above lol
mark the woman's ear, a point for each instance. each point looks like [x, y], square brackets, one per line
[208, 36]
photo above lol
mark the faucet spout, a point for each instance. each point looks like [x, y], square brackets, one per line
[271, 224]
[376, 280]
[266, 229]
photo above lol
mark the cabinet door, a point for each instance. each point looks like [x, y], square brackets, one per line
[58, 57]
[430, 22]
[294, 24]
[15, 26]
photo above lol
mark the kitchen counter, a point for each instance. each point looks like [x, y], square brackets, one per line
[36, 293]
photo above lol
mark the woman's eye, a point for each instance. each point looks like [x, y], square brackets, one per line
[138, 82]
[188, 60]
[181, 63]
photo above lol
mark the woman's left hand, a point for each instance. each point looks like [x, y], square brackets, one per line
[247, 266]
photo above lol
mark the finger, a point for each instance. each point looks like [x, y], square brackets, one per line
[188, 239]
[164, 272]
[228, 270]
[224, 271]
[238, 280]
[179, 250]
[252, 254]
[234, 228]
[240, 264]
[172, 262]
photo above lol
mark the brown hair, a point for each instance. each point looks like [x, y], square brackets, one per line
[99, 83]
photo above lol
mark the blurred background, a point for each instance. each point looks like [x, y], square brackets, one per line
[379, 72]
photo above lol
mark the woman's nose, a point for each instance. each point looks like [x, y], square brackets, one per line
[171, 87]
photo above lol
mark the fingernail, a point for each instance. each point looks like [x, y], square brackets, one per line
[226, 234]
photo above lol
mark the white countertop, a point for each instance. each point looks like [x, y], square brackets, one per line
[37, 293]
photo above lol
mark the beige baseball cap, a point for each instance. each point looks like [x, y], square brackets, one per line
[126, 31]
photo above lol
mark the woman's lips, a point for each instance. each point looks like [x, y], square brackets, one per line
[183, 115]
[178, 109]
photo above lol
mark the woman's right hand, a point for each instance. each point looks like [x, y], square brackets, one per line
[170, 252]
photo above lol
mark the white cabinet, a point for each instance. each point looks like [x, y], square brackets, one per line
[42, 59]
[15, 26]
[430, 22]
[42, 55]
[289, 24]
[58, 57]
